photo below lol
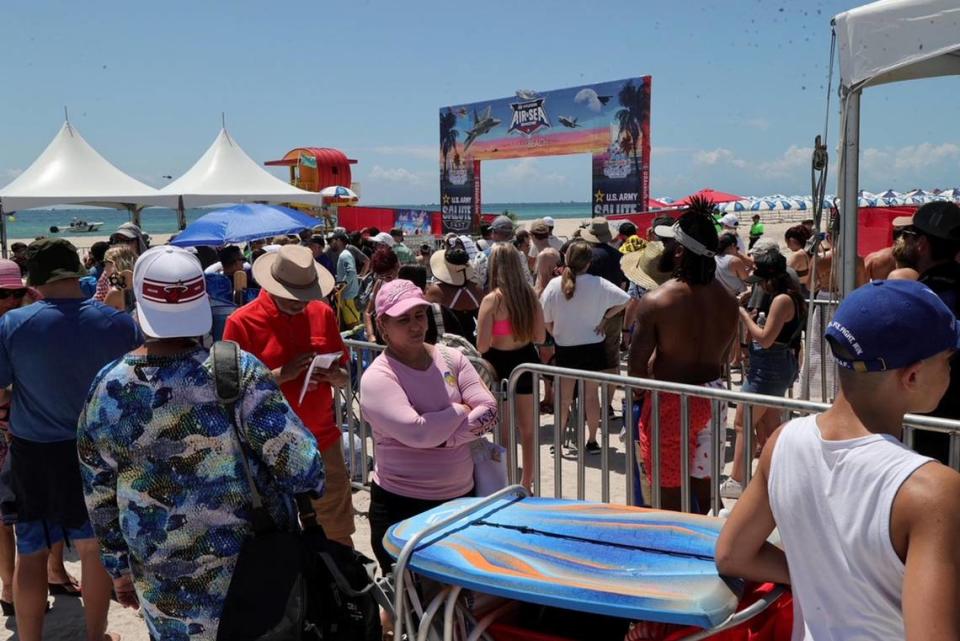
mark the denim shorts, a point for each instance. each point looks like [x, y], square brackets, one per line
[772, 371]
[34, 536]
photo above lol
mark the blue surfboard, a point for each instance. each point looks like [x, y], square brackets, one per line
[606, 559]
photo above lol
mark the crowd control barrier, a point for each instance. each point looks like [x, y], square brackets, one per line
[350, 417]
[719, 398]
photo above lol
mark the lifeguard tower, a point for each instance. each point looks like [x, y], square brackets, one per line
[315, 168]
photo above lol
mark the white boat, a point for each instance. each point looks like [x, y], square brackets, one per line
[77, 226]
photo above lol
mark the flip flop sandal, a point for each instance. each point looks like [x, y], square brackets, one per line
[71, 588]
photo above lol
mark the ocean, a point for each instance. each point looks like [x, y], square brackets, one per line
[37, 222]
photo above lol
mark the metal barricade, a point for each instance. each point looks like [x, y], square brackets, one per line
[349, 414]
[718, 399]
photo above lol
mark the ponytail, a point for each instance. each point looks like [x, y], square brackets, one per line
[568, 283]
[578, 259]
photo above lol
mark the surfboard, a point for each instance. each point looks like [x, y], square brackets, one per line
[615, 560]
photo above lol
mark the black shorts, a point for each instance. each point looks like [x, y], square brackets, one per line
[504, 361]
[386, 509]
[591, 357]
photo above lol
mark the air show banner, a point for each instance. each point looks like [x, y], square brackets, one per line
[610, 120]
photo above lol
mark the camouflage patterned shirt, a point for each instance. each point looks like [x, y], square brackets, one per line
[165, 486]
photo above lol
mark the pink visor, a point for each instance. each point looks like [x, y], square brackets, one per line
[398, 297]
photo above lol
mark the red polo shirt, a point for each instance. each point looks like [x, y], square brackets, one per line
[276, 338]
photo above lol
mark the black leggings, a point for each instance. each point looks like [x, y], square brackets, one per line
[387, 509]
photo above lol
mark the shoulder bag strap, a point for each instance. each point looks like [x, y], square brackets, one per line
[226, 375]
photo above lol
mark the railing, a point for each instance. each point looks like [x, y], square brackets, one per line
[717, 397]
[349, 414]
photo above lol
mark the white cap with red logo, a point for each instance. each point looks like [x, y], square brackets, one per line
[171, 294]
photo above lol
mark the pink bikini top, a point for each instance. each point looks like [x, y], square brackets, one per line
[502, 327]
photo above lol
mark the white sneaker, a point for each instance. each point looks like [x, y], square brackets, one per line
[731, 489]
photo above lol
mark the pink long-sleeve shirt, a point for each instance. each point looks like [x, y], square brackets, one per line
[423, 423]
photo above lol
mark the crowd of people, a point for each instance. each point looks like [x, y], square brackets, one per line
[117, 443]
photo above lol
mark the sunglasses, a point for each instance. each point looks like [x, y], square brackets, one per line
[15, 293]
[906, 231]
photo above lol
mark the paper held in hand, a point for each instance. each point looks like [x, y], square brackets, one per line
[320, 361]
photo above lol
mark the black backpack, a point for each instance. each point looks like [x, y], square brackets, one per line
[291, 585]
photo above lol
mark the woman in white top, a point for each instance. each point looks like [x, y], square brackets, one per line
[575, 307]
[731, 269]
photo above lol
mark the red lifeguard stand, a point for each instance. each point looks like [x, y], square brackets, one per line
[313, 168]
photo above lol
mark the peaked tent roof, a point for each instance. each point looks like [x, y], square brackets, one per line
[226, 174]
[713, 195]
[895, 40]
[71, 172]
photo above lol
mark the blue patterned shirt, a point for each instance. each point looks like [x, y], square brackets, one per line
[165, 485]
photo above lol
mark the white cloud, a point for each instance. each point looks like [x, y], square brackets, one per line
[425, 152]
[395, 175]
[719, 156]
[793, 160]
[526, 171]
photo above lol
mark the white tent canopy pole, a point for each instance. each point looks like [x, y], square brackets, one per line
[883, 42]
[226, 174]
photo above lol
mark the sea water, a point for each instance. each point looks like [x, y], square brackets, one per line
[37, 222]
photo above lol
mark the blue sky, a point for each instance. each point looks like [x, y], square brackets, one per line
[738, 88]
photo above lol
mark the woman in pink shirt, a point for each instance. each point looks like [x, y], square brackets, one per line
[426, 404]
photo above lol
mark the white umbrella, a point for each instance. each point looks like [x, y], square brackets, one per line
[338, 194]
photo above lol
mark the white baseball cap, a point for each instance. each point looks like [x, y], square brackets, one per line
[730, 220]
[549, 221]
[171, 294]
[385, 239]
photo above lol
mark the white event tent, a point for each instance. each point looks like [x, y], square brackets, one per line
[226, 174]
[878, 43]
[71, 172]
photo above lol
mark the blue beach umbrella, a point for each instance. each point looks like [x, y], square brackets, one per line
[242, 223]
[733, 206]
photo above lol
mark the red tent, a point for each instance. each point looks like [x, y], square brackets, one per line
[712, 195]
[653, 203]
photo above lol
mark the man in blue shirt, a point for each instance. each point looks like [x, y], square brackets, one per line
[50, 352]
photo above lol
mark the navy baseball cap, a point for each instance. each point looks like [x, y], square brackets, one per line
[890, 324]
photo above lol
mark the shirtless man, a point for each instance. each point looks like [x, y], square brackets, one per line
[868, 526]
[685, 329]
[881, 263]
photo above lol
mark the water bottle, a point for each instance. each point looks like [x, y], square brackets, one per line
[762, 319]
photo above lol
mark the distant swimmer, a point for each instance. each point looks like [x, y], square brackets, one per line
[684, 332]
[868, 526]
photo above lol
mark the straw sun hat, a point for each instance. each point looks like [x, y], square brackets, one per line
[641, 266]
[292, 273]
[451, 266]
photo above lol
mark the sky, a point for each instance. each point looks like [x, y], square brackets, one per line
[738, 95]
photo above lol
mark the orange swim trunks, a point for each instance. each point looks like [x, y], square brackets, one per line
[700, 415]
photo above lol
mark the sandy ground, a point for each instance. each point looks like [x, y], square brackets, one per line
[65, 620]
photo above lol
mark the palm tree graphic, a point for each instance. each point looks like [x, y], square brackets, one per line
[448, 140]
[630, 118]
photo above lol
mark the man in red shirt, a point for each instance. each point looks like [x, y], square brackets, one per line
[285, 327]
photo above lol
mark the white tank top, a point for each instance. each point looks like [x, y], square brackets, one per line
[832, 502]
[726, 276]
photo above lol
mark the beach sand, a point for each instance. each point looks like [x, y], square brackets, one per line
[65, 621]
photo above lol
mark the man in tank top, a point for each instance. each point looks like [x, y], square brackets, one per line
[868, 526]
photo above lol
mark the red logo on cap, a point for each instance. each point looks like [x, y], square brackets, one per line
[158, 291]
